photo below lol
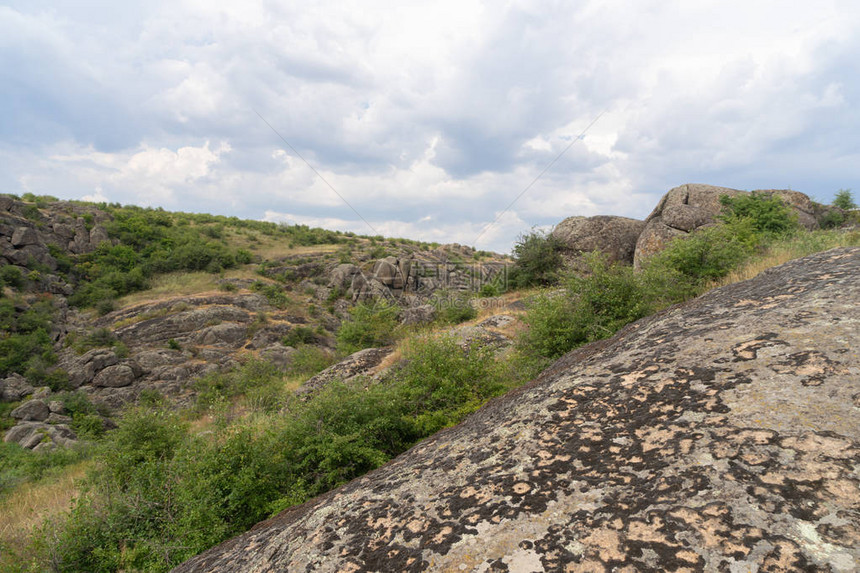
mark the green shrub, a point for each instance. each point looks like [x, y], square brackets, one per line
[454, 308]
[11, 276]
[274, 293]
[441, 382]
[767, 213]
[590, 307]
[300, 335]
[489, 290]
[844, 200]
[832, 219]
[308, 360]
[705, 255]
[216, 389]
[537, 259]
[370, 325]
[26, 346]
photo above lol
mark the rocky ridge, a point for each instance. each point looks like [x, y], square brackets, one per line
[718, 435]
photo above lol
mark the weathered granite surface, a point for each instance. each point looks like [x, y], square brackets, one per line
[721, 435]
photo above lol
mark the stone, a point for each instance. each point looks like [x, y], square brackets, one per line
[24, 236]
[84, 368]
[32, 410]
[226, 334]
[422, 314]
[117, 376]
[98, 235]
[718, 435]
[41, 393]
[341, 276]
[22, 432]
[361, 363]
[279, 355]
[387, 272]
[688, 207]
[56, 407]
[58, 419]
[14, 387]
[614, 236]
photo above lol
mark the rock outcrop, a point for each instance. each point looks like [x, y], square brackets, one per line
[688, 207]
[361, 363]
[614, 236]
[719, 435]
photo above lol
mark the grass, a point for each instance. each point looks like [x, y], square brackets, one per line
[29, 505]
[171, 285]
[799, 246]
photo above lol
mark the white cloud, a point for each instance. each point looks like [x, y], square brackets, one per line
[427, 117]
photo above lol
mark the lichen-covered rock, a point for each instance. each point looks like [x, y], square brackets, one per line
[279, 355]
[118, 375]
[14, 387]
[614, 236]
[421, 314]
[32, 410]
[31, 434]
[359, 363]
[688, 207]
[720, 435]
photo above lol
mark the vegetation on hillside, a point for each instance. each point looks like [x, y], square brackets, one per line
[169, 483]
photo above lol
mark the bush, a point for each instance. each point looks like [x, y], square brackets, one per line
[589, 308]
[844, 200]
[274, 293]
[300, 335]
[309, 360]
[370, 325]
[766, 213]
[11, 276]
[537, 259]
[454, 308]
[705, 255]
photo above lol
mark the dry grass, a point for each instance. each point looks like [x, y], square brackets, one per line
[171, 285]
[30, 504]
[800, 246]
[270, 248]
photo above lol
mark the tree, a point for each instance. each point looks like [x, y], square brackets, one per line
[538, 259]
[844, 200]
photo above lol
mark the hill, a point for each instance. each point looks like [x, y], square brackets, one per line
[718, 435]
[205, 372]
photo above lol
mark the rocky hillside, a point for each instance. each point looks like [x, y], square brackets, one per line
[119, 302]
[719, 435]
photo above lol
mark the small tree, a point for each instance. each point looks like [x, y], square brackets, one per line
[844, 200]
[538, 259]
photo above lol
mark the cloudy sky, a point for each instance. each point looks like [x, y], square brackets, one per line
[429, 119]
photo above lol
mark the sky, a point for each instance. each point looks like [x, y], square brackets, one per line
[452, 121]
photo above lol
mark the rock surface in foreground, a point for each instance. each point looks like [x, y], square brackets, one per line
[721, 435]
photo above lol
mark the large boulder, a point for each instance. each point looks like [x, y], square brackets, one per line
[680, 211]
[614, 236]
[341, 276]
[31, 434]
[118, 375]
[32, 410]
[689, 207]
[718, 435]
[360, 363]
[14, 387]
[24, 236]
